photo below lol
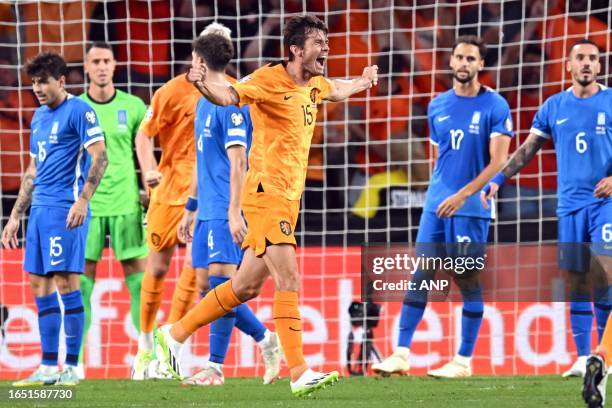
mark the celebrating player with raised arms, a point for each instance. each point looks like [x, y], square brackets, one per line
[223, 136]
[67, 162]
[470, 129]
[579, 122]
[115, 208]
[283, 99]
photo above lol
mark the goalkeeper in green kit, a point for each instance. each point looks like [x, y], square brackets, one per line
[115, 207]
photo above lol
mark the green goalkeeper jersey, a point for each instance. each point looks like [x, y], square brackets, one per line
[119, 119]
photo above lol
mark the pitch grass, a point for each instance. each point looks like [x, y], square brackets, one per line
[497, 392]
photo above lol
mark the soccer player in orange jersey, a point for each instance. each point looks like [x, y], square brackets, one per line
[170, 120]
[283, 98]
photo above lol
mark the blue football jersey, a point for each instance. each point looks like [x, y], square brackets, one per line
[462, 127]
[58, 140]
[217, 128]
[581, 129]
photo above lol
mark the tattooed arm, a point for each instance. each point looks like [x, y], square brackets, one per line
[9, 234]
[99, 161]
[523, 155]
[519, 159]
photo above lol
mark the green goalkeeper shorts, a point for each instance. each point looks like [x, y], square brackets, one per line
[127, 237]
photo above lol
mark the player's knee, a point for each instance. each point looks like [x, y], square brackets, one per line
[246, 290]
[288, 282]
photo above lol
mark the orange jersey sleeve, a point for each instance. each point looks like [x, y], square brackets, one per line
[284, 116]
[170, 118]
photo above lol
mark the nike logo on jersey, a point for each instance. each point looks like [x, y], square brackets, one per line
[214, 254]
[562, 121]
[443, 118]
[287, 97]
[59, 261]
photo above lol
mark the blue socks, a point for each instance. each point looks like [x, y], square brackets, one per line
[414, 307]
[74, 321]
[603, 304]
[412, 311]
[49, 324]
[248, 323]
[471, 318]
[581, 321]
[220, 329]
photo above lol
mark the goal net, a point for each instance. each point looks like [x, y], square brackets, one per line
[369, 164]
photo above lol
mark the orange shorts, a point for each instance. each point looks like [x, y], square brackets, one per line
[270, 218]
[162, 224]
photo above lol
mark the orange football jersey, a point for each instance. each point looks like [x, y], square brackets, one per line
[283, 115]
[170, 118]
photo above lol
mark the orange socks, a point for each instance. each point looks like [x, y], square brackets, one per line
[215, 304]
[605, 346]
[150, 299]
[183, 295]
[288, 322]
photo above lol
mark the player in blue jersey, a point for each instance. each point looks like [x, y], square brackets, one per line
[67, 162]
[470, 128]
[223, 136]
[579, 121]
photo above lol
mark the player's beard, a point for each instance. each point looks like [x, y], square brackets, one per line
[585, 82]
[470, 76]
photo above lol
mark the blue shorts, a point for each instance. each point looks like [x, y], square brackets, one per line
[212, 243]
[463, 236]
[591, 225]
[50, 246]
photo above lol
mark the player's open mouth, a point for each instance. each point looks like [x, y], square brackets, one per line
[321, 61]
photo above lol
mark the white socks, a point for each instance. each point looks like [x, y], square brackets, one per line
[145, 341]
[403, 352]
[464, 361]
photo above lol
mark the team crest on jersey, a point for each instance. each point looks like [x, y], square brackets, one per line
[91, 117]
[53, 134]
[155, 239]
[313, 95]
[600, 129]
[122, 119]
[475, 125]
[285, 227]
[237, 119]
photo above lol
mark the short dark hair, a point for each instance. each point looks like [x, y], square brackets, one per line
[297, 29]
[47, 64]
[99, 44]
[472, 40]
[582, 41]
[217, 50]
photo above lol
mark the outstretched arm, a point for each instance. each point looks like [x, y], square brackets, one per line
[519, 159]
[342, 88]
[99, 161]
[523, 155]
[24, 198]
